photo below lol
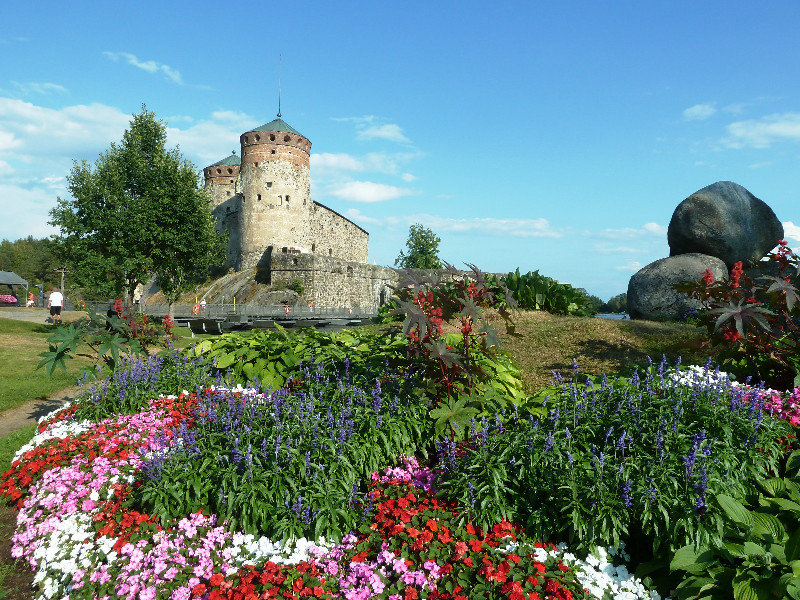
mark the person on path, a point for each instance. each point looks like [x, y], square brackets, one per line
[31, 300]
[55, 302]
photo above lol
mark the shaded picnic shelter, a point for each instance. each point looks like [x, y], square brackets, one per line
[11, 279]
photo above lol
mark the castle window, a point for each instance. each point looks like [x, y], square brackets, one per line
[219, 170]
[256, 164]
[330, 252]
[230, 171]
[269, 184]
[229, 192]
[259, 197]
[286, 138]
[271, 137]
[284, 249]
[280, 200]
[273, 152]
[313, 247]
[287, 201]
[231, 180]
[245, 139]
[258, 138]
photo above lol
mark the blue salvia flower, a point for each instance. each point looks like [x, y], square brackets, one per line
[471, 492]
[570, 459]
[652, 491]
[549, 442]
[626, 494]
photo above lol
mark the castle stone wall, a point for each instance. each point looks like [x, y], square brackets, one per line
[334, 282]
[333, 235]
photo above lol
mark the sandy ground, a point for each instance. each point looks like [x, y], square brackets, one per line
[37, 315]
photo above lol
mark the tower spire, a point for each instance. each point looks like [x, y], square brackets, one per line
[280, 69]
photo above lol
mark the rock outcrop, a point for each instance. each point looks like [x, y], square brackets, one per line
[650, 292]
[724, 220]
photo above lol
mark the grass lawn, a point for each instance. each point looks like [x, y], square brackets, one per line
[21, 343]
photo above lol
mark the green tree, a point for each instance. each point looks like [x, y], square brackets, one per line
[423, 250]
[138, 211]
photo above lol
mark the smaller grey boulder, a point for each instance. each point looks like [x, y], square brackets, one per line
[650, 292]
[724, 220]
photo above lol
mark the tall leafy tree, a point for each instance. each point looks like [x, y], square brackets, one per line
[423, 249]
[138, 211]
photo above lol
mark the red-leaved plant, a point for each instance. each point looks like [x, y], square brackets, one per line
[754, 316]
[455, 365]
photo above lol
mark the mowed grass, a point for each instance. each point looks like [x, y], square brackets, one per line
[21, 343]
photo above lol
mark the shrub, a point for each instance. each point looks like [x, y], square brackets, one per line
[754, 318]
[291, 463]
[634, 459]
[533, 291]
[270, 357]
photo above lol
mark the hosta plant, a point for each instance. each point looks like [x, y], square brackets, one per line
[758, 555]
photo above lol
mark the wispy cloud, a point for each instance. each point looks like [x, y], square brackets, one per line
[699, 112]
[370, 127]
[618, 250]
[628, 233]
[629, 267]
[368, 191]
[149, 66]
[43, 88]
[761, 133]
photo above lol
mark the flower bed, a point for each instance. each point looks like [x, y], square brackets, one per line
[235, 493]
[79, 530]
[7, 299]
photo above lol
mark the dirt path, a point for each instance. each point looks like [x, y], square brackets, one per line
[30, 412]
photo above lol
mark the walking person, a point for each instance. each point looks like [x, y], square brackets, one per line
[55, 302]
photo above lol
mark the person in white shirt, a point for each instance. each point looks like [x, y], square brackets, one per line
[54, 303]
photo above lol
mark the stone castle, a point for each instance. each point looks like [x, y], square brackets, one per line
[263, 200]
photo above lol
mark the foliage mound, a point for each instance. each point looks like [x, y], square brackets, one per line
[289, 464]
[633, 460]
[533, 291]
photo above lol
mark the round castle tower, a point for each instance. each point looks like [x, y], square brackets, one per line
[276, 192]
[221, 179]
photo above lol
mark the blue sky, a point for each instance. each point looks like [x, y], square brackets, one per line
[556, 136]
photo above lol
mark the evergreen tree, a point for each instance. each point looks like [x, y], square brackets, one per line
[138, 211]
[423, 250]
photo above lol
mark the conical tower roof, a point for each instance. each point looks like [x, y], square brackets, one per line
[231, 160]
[278, 125]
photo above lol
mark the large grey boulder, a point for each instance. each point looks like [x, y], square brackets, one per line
[726, 221]
[651, 287]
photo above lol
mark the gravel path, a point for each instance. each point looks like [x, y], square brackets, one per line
[29, 413]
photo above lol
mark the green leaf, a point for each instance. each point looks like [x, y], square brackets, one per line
[766, 525]
[792, 547]
[735, 510]
[689, 560]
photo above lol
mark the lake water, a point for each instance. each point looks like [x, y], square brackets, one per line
[612, 316]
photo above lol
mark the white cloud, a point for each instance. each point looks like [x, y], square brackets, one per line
[5, 168]
[760, 165]
[699, 112]
[335, 162]
[408, 177]
[630, 267]
[368, 191]
[369, 127]
[149, 66]
[27, 211]
[791, 233]
[628, 233]
[390, 132]
[761, 133]
[357, 216]
[618, 250]
[43, 88]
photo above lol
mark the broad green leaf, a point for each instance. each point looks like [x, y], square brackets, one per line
[735, 510]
